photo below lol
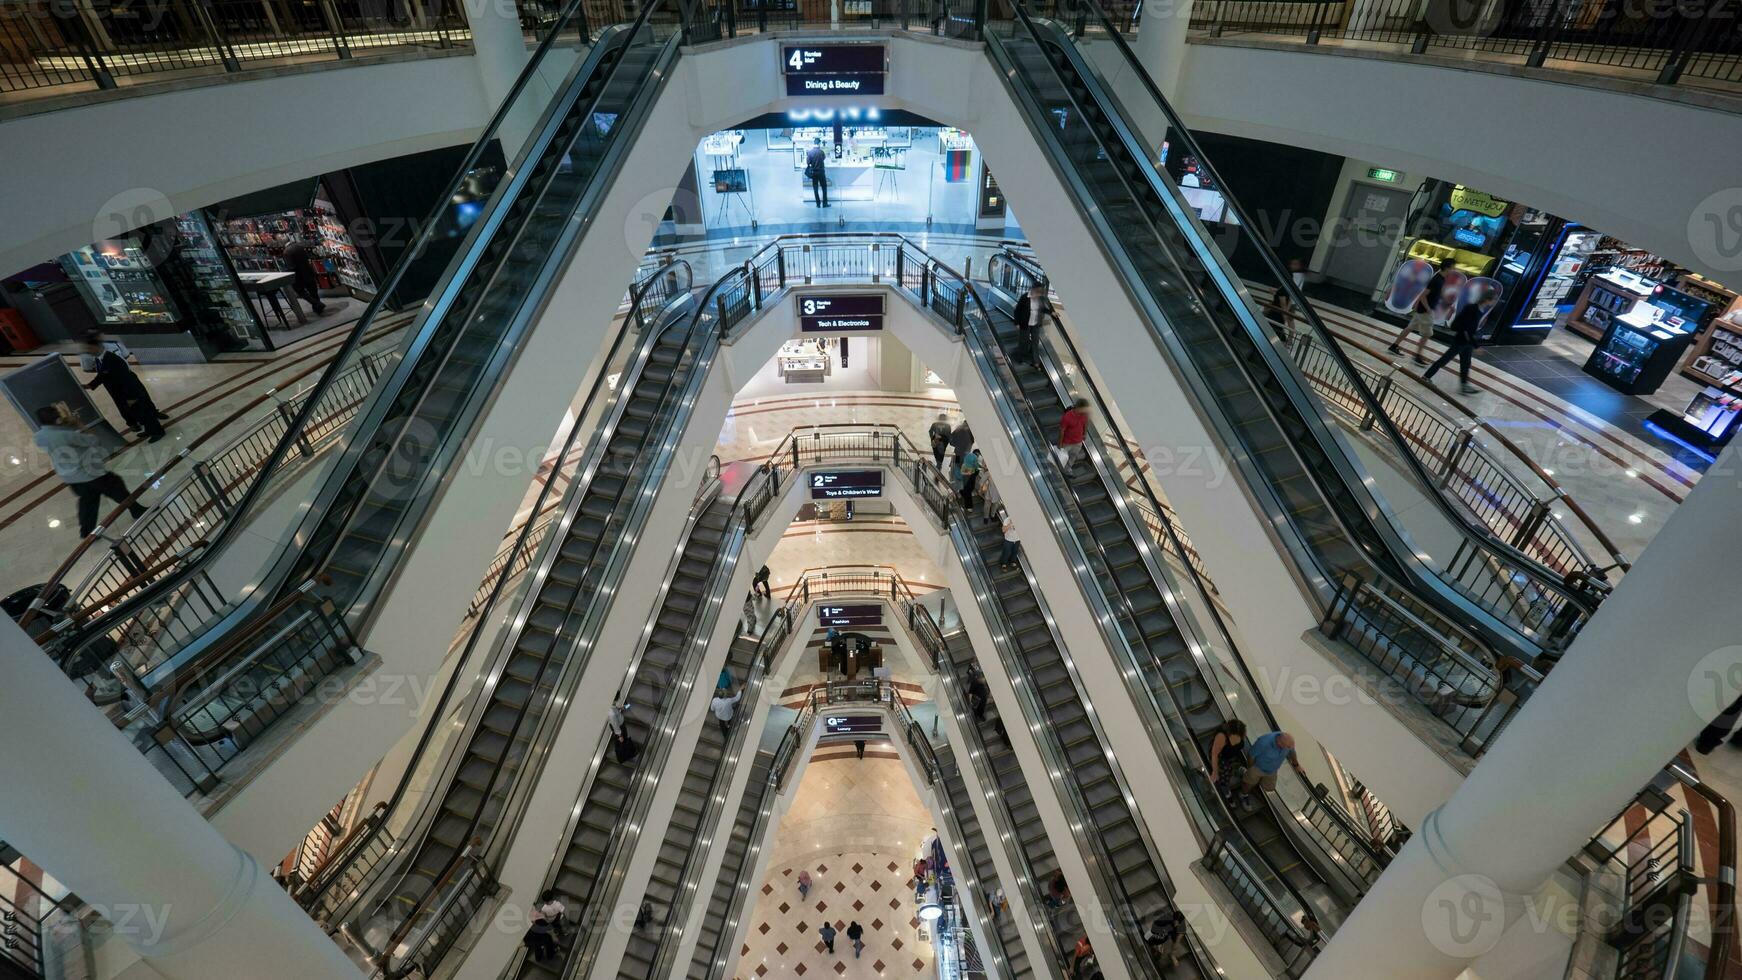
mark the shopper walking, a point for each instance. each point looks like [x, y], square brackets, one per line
[724, 708]
[939, 434]
[115, 376]
[1466, 334]
[1012, 543]
[1228, 756]
[827, 935]
[759, 584]
[856, 933]
[970, 465]
[302, 275]
[816, 170]
[859, 747]
[77, 458]
[1073, 430]
[1268, 753]
[804, 884]
[1032, 311]
[1421, 315]
[961, 440]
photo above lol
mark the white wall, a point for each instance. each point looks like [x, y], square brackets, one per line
[78, 174]
[1640, 168]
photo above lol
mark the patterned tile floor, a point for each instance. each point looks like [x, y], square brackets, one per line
[854, 824]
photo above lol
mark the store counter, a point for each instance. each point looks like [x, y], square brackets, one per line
[1638, 351]
[802, 362]
[1607, 296]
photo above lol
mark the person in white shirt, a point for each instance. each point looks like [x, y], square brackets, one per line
[1031, 311]
[724, 708]
[1012, 543]
[614, 717]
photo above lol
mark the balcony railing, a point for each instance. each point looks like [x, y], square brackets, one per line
[1663, 43]
[51, 47]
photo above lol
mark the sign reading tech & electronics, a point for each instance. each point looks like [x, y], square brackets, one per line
[833, 69]
[840, 313]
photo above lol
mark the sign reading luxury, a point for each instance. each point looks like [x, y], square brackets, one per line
[840, 313]
[846, 485]
[833, 69]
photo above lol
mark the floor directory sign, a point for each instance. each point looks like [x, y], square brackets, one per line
[833, 69]
[840, 313]
[846, 485]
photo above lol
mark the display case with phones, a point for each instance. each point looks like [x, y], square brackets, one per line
[1638, 350]
[116, 279]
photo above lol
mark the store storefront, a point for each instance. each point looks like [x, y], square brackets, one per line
[891, 167]
[220, 279]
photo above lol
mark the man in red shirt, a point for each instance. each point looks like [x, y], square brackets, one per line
[1073, 428]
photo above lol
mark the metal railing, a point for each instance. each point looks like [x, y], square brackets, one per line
[1440, 665]
[40, 936]
[1517, 508]
[1651, 853]
[190, 511]
[1665, 43]
[51, 47]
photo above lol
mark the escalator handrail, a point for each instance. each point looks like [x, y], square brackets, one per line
[1195, 649]
[466, 260]
[1024, 438]
[482, 619]
[1723, 878]
[531, 768]
[1540, 575]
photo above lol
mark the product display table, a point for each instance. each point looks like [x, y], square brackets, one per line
[267, 287]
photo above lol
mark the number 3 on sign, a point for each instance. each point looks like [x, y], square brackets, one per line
[810, 306]
[796, 61]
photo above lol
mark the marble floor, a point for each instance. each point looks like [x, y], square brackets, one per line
[855, 825]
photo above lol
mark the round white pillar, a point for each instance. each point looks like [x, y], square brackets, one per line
[84, 804]
[499, 47]
[1658, 661]
[1160, 44]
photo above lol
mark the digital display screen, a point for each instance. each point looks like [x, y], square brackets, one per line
[867, 614]
[833, 69]
[840, 314]
[848, 485]
[852, 724]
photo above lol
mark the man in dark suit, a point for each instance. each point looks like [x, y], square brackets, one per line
[117, 378]
[817, 170]
[1031, 312]
[1466, 337]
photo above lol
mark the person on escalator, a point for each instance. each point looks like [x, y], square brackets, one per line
[1167, 936]
[970, 467]
[978, 693]
[623, 748]
[550, 908]
[1030, 315]
[961, 441]
[724, 708]
[1012, 542]
[1073, 429]
[1228, 757]
[939, 433]
[1269, 752]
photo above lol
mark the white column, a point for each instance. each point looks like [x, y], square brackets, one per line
[500, 47]
[83, 803]
[1658, 661]
[1160, 44]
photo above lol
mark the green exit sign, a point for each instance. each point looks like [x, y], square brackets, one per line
[1389, 176]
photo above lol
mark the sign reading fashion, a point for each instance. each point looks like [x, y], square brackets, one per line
[833, 69]
[847, 485]
[839, 314]
[869, 614]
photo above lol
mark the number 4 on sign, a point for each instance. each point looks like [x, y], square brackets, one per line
[796, 61]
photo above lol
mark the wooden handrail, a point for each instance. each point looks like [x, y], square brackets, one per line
[86, 543]
[127, 584]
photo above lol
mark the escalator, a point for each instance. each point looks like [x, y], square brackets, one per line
[587, 870]
[684, 850]
[1116, 552]
[726, 901]
[1131, 875]
[972, 842]
[564, 608]
[1206, 324]
[518, 225]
